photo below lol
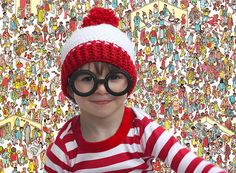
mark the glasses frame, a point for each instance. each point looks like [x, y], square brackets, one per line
[72, 78]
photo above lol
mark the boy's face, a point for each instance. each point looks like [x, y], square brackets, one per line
[100, 103]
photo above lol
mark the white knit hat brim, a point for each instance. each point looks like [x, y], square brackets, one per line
[102, 32]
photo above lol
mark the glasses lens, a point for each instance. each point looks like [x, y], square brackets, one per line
[117, 82]
[84, 83]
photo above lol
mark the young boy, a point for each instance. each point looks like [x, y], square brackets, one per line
[98, 74]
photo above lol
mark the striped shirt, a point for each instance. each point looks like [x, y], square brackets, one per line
[131, 149]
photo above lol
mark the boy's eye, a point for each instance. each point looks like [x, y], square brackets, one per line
[114, 77]
[87, 79]
[84, 78]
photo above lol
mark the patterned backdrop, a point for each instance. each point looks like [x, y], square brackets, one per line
[186, 65]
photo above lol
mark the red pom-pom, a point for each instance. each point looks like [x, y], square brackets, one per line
[98, 16]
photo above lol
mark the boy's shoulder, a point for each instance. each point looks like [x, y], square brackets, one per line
[65, 136]
[67, 128]
[140, 114]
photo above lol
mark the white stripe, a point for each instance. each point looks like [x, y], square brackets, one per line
[134, 132]
[140, 113]
[148, 132]
[215, 170]
[102, 32]
[118, 166]
[101, 155]
[71, 145]
[65, 132]
[185, 162]
[201, 166]
[173, 151]
[162, 140]
[150, 163]
[136, 171]
[59, 153]
[54, 166]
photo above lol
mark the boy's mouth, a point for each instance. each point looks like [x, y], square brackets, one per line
[101, 102]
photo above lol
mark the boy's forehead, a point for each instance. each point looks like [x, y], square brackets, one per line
[86, 66]
[96, 67]
[92, 65]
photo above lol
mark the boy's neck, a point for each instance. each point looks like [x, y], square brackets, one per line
[99, 129]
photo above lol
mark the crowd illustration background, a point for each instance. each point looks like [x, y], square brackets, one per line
[186, 67]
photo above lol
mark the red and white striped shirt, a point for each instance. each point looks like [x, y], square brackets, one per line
[131, 149]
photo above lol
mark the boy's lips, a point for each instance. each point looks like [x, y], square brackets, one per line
[101, 102]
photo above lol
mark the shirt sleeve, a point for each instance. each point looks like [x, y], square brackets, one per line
[57, 158]
[159, 143]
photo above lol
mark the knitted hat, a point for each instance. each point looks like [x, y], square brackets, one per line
[98, 40]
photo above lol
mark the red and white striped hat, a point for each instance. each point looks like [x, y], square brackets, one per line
[98, 40]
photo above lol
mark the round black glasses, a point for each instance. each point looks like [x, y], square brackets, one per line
[84, 82]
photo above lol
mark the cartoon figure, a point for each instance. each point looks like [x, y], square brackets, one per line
[31, 167]
[41, 15]
[27, 131]
[155, 12]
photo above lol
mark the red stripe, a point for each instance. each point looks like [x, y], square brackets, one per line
[60, 144]
[207, 168]
[153, 139]
[68, 138]
[166, 148]
[49, 170]
[142, 124]
[140, 167]
[103, 162]
[192, 166]
[177, 158]
[132, 140]
[73, 153]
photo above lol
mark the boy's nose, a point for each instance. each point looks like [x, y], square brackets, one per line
[101, 89]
